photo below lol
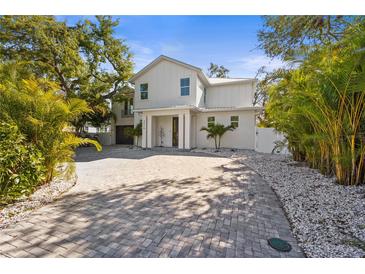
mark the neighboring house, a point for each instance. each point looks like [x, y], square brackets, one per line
[174, 100]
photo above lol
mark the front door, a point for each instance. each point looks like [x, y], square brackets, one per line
[175, 131]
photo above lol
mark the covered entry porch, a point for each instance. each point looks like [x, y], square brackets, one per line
[175, 127]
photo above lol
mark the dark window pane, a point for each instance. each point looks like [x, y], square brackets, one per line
[130, 107]
[144, 95]
[211, 121]
[143, 87]
[185, 82]
[125, 107]
[185, 91]
[234, 121]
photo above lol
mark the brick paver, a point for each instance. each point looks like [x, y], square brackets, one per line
[134, 203]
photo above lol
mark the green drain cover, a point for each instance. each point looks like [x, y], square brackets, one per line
[279, 244]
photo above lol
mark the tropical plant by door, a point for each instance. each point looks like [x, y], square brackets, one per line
[216, 131]
[134, 132]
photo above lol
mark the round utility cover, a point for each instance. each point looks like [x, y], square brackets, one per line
[279, 244]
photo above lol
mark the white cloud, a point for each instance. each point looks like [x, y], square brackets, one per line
[171, 48]
[248, 66]
[142, 54]
[137, 48]
[141, 61]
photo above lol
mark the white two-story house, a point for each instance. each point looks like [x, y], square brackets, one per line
[174, 100]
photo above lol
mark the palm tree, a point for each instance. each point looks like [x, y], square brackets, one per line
[320, 107]
[216, 132]
[44, 117]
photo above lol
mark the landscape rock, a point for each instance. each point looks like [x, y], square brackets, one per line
[327, 219]
[45, 194]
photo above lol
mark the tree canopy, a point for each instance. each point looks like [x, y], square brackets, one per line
[319, 104]
[36, 110]
[86, 60]
[287, 36]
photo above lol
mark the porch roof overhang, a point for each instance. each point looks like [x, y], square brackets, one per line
[197, 109]
[167, 108]
[229, 109]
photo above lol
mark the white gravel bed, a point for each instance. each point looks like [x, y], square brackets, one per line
[327, 219]
[17, 211]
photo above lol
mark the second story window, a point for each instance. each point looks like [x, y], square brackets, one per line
[185, 86]
[211, 121]
[128, 107]
[143, 88]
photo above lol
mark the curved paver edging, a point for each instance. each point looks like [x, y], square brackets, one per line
[328, 219]
[231, 154]
[46, 194]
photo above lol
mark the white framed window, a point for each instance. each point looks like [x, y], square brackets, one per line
[211, 121]
[185, 86]
[234, 121]
[128, 107]
[143, 88]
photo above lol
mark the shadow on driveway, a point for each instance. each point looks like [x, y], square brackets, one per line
[231, 215]
[89, 154]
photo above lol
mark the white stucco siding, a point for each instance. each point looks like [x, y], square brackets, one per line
[231, 95]
[164, 86]
[242, 137]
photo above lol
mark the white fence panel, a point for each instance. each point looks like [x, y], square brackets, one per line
[104, 138]
[266, 138]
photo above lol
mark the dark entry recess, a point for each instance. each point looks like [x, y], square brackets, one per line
[121, 137]
[175, 131]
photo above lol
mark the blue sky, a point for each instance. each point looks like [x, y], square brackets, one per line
[198, 40]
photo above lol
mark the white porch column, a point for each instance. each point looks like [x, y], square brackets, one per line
[181, 131]
[187, 130]
[144, 131]
[149, 131]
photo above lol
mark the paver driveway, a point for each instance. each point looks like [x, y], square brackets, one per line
[134, 203]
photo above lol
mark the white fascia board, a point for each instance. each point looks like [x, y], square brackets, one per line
[229, 109]
[233, 82]
[166, 108]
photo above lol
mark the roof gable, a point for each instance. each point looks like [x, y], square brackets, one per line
[157, 61]
[207, 81]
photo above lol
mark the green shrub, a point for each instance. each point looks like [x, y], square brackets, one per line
[43, 116]
[21, 165]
